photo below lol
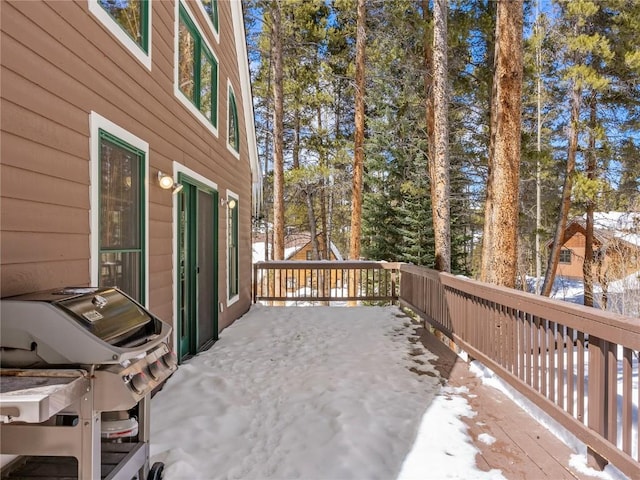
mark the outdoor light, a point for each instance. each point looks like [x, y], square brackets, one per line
[176, 188]
[232, 204]
[165, 181]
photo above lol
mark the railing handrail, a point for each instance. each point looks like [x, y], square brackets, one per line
[283, 264]
[609, 326]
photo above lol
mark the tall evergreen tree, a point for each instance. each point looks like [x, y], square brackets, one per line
[278, 130]
[358, 148]
[439, 163]
[501, 208]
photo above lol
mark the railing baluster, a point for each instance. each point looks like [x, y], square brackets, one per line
[612, 392]
[627, 399]
[560, 381]
[581, 374]
[570, 379]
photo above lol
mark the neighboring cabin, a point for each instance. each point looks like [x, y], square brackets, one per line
[616, 246]
[98, 98]
[298, 247]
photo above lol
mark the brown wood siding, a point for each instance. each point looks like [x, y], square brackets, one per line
[573, 270]
[59, 64]
[33, 276]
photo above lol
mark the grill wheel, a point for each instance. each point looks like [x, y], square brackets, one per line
[156, 471]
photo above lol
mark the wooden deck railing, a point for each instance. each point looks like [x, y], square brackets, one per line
[298, 282]
[577, 364]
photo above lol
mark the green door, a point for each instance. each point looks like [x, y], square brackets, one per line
[197, 267]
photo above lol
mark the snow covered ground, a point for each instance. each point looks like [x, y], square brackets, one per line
[314, 394]
[623, 296]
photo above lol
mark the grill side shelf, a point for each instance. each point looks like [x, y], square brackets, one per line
[34, 396]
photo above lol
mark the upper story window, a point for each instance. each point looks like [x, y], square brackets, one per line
[565, 255]
[130, 22]
[233, 137]
[211, 8]
[197, 69]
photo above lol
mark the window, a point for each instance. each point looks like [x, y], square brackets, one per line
[565, 255]
[131, 15]
[130, 22]
[309, 255]
[233, 137]
[121, 215]
[211, 8]
[197, 69]
[232, 242]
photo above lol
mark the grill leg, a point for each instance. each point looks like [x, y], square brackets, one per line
[144, 408]
[89, 455]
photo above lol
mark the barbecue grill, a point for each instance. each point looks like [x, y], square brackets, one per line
[78, 366]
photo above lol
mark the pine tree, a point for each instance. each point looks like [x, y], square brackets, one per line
[501, 208]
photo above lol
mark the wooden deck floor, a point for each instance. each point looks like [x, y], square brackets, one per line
[523, 449]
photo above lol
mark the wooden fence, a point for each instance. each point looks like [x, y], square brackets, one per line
[297, 282]
[578, 364]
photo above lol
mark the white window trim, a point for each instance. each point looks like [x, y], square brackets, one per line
[117, 31]
[176, 67]
[229, 146]
[236, 197]
[97, 123]
[177, 169]
[216, 33]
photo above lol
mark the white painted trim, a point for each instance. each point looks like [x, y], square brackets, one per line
[179, 168]
[247, 102]
[216, 33]
[235, 298]
[117, 31]
[233, 151]
[96, 123]
[176, 89]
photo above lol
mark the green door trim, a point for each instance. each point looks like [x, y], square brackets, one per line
[187, 266]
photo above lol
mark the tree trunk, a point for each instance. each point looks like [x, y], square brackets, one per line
[278, 132]
[308, 195]
[322, 200]
[488, 228]
[428, 83]
[358, 151]
[501, 211]
[324, 242]
[587, 264]
[439, 164]
[565, 205]
[538, 255]
[295, 154]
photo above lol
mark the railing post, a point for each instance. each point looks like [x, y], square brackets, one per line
[394, 272]
[255, 282]
[597, 394]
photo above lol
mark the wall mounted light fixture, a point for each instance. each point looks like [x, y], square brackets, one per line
[165, 181]
[231, 203]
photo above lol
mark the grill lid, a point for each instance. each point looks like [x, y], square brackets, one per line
[109, 315]
[77, 326]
